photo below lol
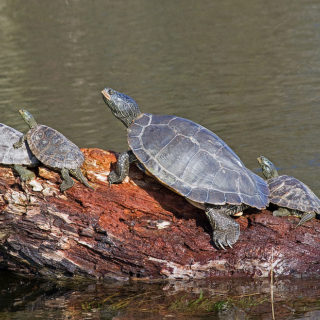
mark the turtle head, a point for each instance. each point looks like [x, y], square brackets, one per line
[122, 106]
[269, 170]
[28, 118]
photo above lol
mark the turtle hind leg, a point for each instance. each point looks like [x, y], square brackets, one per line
[122, 168]
[77, 173]
[226, 231]
[306, 217]
[67, 181]
[23, 172]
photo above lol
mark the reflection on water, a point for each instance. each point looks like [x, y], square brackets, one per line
[248, 70]
[221, 299]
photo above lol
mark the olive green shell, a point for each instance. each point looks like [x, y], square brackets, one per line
[53, 149]
[194, 162]
[291, 193]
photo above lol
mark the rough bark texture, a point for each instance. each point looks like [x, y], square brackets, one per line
[136, 229]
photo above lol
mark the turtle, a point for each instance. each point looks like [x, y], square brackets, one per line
[190, 160]
[53, 150]
[291, 195]
[17, 158]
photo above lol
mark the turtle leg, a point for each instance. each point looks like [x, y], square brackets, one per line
[282, 212]
[77, 173]
[306, 217]
[23, 172]
[225, 230]
[122, 167]
[67, 181]
[20, 142]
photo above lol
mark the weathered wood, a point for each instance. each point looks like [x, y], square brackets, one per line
[136, 229]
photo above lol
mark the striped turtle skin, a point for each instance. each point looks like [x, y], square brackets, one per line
[194, 162]
[53, 149]
[10, 155]
[291, 193]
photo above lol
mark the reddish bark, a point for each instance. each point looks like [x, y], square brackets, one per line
[136, 229]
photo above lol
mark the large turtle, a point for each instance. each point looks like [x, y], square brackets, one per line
[54, 150]
[190, 160]
[291, 195]
[17, 158]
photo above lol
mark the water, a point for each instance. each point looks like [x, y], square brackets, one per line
[195, 300]
[248, 70]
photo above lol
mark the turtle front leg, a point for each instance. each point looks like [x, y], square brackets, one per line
[77, 173]
[20, 142]
[67, 181]
[23, 172]
[122, 167]
[226, 231]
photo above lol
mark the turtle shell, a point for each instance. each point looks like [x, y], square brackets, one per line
[289, 192]
[53, 149]
[194, 162]
[10, 155]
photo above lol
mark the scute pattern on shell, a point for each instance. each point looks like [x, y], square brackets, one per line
[53, 149]
[194, 162]
[10, 155]
[289, 192]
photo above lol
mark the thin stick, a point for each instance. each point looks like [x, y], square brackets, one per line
[271, 286]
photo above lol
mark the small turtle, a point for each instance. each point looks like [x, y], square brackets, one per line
[54, 150]
[16, 158]
[291, 195]
[190, 160]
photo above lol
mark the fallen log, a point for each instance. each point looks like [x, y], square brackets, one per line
[137, 229]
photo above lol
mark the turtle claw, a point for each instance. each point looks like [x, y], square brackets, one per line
[229, 244]
[222, 239]
[113, 178]
[226, 231]
[121, 171]
[220, 245]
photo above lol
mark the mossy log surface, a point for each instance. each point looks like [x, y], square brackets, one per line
[137, 229]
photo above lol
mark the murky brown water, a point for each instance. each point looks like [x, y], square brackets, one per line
[248, 70]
